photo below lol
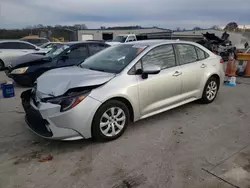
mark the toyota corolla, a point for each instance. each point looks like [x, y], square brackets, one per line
[121, 84]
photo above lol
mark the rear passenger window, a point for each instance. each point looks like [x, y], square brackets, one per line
[94, 48]
[187, 53]
[26, 46]
[162, 56]
[10, 45]
[79, 51]
[200, 53]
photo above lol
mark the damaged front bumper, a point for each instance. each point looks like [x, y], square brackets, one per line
[46, 120]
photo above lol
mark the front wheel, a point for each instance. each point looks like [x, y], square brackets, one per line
[210, 90]
[110, 121]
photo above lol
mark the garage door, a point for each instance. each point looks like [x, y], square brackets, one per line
[87, 37]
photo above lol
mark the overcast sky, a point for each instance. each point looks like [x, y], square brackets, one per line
[95, 13]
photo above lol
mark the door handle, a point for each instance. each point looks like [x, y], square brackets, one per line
[24, 51]
[203, 65]
[177, 73]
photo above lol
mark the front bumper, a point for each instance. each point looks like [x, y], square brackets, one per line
[23, 79]
[46, 120]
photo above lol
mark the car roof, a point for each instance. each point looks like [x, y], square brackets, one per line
[82, 42]
[33, 38]
[158, 42]
[2, 41]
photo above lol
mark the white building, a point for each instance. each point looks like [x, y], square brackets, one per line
[109, 34]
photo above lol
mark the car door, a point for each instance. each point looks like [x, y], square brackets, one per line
[192, 69]
[162, 90]
[96, 47]
[73, 56]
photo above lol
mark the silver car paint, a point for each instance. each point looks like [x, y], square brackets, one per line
[170, 88]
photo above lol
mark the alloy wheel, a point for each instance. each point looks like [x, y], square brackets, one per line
[211, 90]
[112, 121]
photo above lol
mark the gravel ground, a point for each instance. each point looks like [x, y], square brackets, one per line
[184, 147]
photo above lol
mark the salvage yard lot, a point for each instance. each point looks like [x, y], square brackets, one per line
[166, 150]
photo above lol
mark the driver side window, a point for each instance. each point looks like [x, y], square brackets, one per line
[162, 56]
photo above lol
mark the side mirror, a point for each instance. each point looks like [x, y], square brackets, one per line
[37, 49]
[151, 69]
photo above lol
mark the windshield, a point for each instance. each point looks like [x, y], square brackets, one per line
[56, 50]
[113, 59]
[121, 39]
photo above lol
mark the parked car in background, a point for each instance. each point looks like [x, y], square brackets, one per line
[122, 39]
[26, 69]
[122, 83]
[36, 41]
[11, 49]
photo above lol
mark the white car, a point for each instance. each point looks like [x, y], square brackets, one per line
[11, 49]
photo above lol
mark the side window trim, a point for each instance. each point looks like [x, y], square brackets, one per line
[131, 72]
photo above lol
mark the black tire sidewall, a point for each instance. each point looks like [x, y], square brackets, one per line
[96, 132]
[204, 98]
[1, 64]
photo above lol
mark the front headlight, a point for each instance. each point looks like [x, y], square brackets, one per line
[19, 70]
[67, 102]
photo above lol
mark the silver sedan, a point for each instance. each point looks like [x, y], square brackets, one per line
[121, 84]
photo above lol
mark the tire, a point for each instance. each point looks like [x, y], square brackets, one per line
[1, 64]
[109, 130]
[210, 90]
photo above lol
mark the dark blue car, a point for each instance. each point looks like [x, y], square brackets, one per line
[26, 69]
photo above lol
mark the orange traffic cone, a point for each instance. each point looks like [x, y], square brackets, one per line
[247, 69]
[229, 66]
[234, 68]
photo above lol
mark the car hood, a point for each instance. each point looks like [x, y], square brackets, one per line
[28, 58]
[56, 82]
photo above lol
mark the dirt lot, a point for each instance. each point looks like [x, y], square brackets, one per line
[176, 149]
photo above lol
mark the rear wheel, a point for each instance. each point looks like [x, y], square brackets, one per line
[210, 90]
[110, 121]
[1, 64]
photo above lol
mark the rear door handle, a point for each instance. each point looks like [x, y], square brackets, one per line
[177, 73]
[203, 65]
[24, 51]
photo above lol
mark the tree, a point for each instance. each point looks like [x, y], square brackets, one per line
[178, 29]
[231, 26]
[196, 28]
[215, 27]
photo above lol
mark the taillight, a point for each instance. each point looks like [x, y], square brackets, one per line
[221, 61]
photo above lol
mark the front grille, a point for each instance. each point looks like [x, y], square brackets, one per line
[33, 117]
[38, 124]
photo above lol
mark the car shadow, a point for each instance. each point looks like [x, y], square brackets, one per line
[70, 146]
